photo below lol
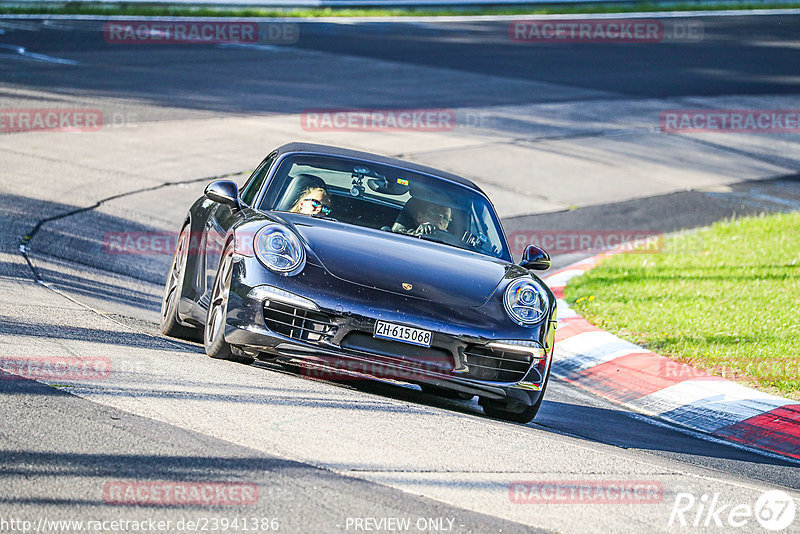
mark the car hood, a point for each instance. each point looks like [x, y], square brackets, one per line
[387, 261]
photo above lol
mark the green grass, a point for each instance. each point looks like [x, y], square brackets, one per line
[90, 8]
[729, 304]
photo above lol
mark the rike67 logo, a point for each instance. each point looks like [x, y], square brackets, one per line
[774, 511]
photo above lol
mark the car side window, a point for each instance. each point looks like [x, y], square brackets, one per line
[253, 185]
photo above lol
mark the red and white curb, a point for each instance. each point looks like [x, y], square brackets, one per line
[646, 382]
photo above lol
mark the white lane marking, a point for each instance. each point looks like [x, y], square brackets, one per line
[50, 59]
[708, 405]
[561, 279]
[19, 25]
[67, 25]
[708, 437]
[23, 52]
[564, 311]
[565, 16]
[253, 46]
[589, 349]
[454, 18]
[754, 194]
[13, 48]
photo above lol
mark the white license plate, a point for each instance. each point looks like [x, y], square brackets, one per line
[406, 334]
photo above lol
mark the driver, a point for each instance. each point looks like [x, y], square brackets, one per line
[428, 218]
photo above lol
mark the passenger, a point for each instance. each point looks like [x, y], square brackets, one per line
[314, 201]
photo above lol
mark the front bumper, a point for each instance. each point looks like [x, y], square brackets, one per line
[321, 327]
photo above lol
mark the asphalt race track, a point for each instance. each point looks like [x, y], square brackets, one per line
[562, 136]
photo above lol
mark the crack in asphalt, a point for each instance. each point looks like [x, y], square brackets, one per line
[25, 242]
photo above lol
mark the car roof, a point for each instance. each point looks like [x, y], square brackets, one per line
[376, 158]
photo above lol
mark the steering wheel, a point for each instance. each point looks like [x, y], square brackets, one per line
[478, 241]
[443, 236]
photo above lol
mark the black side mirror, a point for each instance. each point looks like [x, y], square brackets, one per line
[535, 259]
[224, 192]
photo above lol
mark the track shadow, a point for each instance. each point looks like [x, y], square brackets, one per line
[613, 427]
[64, 250]
[74, 458]
[27, 328]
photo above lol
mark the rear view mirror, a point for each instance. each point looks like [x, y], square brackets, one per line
[224, 192]
[535, 259]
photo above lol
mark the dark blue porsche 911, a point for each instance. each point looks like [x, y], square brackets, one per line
[329, 255]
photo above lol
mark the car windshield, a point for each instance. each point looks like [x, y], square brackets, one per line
[386, 198]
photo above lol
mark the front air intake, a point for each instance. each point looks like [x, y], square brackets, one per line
[496, 365]
[298, 323]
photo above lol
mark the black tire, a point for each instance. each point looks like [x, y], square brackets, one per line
[214, 332]
[170, 325]
[497, 409]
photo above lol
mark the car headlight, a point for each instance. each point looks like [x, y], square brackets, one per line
[525, 301]
[279, 249]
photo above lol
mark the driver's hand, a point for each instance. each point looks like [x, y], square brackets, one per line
[425, 228]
